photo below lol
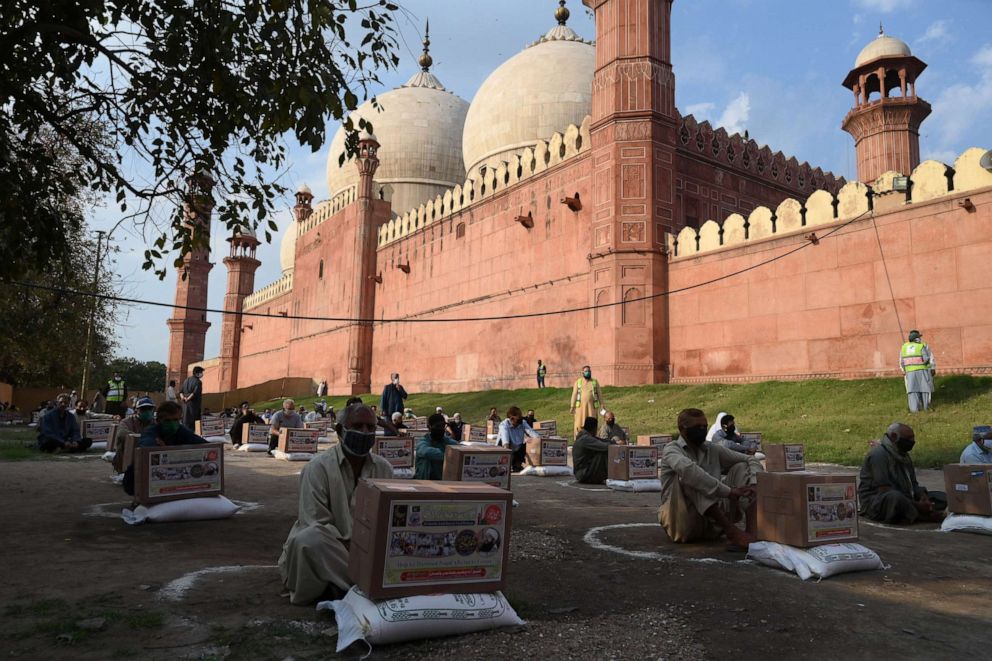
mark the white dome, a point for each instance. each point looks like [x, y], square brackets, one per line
[532, 95]
[287, 249]
[419, 131]
[883, 46]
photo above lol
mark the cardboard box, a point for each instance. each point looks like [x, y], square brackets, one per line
[416, 424]
[397, 450]
[298, 440]
[477, 463]
[491, 428]
[633, 462]
[474, 434]
[751, 440]
[785, 457]
[124, 456]
[99, 431]
[422, 537]
[657, 440]
[175, 472]
[210, 426]
[804, 509]
[546, 428]
[322, 425]
[255, 434]
[969, 489]
[551, 451]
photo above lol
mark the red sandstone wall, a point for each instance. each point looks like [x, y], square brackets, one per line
[497, 268]
[827, 310]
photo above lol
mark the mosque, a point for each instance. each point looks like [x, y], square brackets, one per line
[571, 213]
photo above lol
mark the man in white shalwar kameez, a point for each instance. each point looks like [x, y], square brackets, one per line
[314, 560]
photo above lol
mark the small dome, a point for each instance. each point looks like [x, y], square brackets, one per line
[287, 249]
[304, 189]
[883, 46]
[532, 95]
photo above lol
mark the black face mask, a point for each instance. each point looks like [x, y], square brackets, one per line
[905, 444]
[357, 443]
[695, 435]
[731, 430]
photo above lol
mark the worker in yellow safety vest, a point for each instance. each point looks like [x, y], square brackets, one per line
[116, 394]
[918, 367]
[587, 399]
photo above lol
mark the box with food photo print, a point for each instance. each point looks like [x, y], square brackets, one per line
[547, 451]
[174, 472]
[397, 450]
[423, 537]
[805, 509]
[633, 462]
[210, 426]
[657, 440]
[477, 463]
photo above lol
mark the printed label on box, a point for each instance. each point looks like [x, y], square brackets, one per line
[434, 542]
[554, 452]
[300, 440]
[322, 425]
[795, 458]
[832, 512]
[961, 487]
[489, 467]
[476, 434]
[172, 472]
[643, 462]
[211, 426]
[258, 434]
[751, 440]
[397, 451]
[659, 440]
[98, 430]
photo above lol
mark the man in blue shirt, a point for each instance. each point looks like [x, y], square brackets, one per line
[512, 434]
[430, 450]
[168, 430]
[392, 397]
[58, 430]
[979, 451]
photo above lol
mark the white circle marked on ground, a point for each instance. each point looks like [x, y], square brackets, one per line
[886, 526]
[592, 539]
[176, 590]
[574, 485]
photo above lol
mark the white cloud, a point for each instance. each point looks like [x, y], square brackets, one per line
[960, 111]
[883, 6]
[736, 114]
[937, 33]
[700, 109]
[983, 58]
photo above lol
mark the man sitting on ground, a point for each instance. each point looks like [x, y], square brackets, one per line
[979, 451]
[455, 426]
[695, 502]
[727, 436]
[58, 430]
[512, 433]
[288, 418]
[143, 418]
[431, 449]
[167, 430]
[531, 417]
[590, 454]
[887, 486]
[245, 416]
[314, 560]
[398, 424]
[611, 430]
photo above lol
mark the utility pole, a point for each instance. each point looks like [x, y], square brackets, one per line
[89, 329]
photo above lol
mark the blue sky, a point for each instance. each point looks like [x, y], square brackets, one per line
[773, 67]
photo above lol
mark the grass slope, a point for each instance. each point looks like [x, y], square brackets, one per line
[834, 419]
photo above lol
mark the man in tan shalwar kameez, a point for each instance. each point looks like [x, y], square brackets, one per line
[314, 560]
[587, 400]
[696, 503]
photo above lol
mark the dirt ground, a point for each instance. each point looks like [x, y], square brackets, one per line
[80, 584]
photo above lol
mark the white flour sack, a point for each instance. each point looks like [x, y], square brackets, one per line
[254, 447]
[967, 523]
[217, 439]
[411, 618]
[634, 485]
[546, 471]
[98, 446]
[403, 473]
[293, 456]
[190, 509]
[821, 561]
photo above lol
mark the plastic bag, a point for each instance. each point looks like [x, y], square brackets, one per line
[411, 618]
[254, 447]
[634, 485]
[293, 456]
[967, 523]
[191, 509]
[546, 471]
[820, 561]
[109, 456]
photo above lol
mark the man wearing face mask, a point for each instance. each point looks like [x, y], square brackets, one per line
[167, 430]
[288, 418]
[726, 435]
[979, 451]
[696, 503]
[513, 433]
[314, 560]
[83, 413]
[58, 430]
[392, 397]
[587, 400]
[887, 488]
[191, 396]
[431, 448]
[611, 430]
[245, 416]
[143, 418]
[918, 366]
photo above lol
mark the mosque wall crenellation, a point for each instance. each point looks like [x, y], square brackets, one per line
[928, 181]
[560, 147]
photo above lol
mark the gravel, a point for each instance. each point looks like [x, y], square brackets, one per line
[536, 545]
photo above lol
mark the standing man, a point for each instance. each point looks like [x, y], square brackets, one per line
[392, 397]
[170, 391]
[513, 433]
[918, 367]
[116, 392]
[314, 560]
[587, 400]
[191, 395]
[542, 371]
